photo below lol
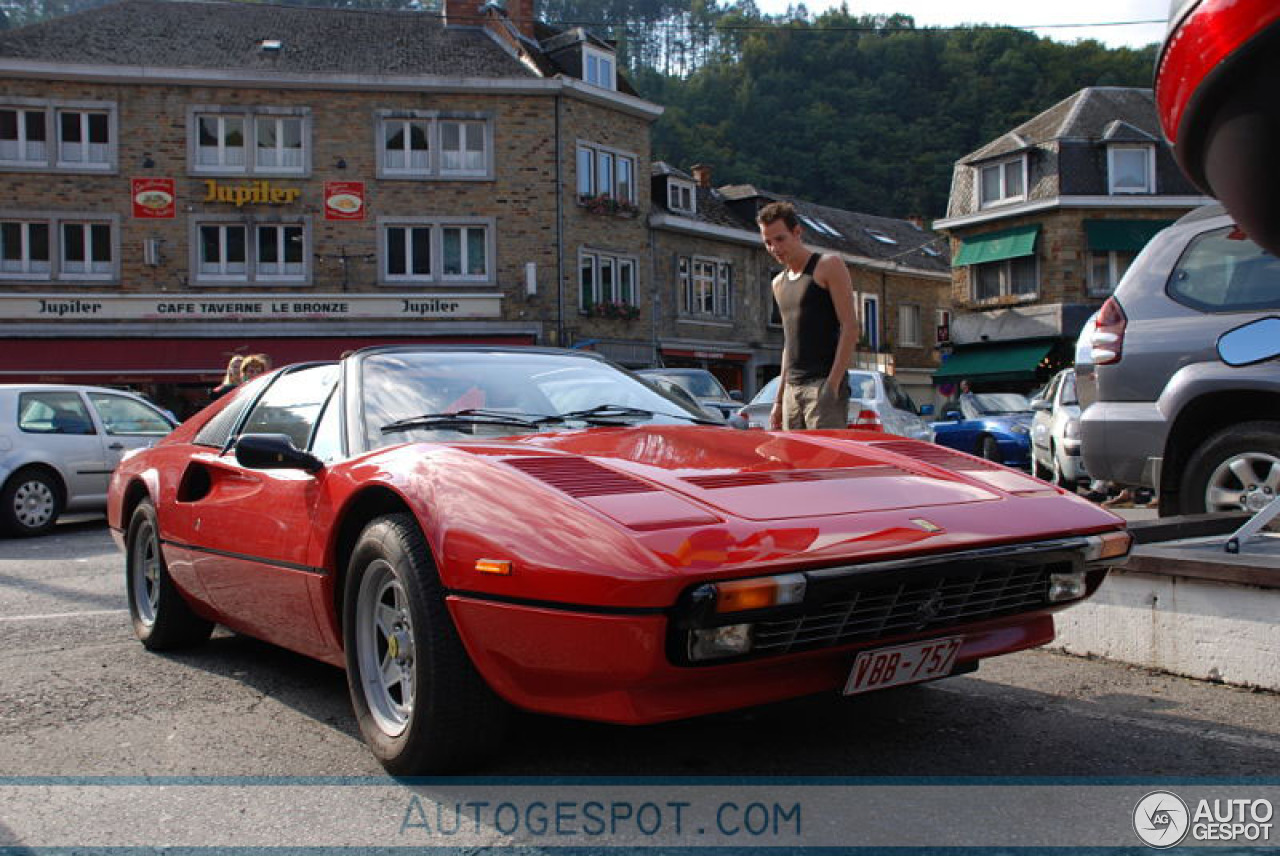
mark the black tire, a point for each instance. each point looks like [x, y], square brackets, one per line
[988, 448]
[161, 618]
[1255, 443]
[430, 711]
[31, 502]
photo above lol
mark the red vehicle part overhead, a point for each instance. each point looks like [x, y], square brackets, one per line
[1216, 84]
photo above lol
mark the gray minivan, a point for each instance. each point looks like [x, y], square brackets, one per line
[1160, 408]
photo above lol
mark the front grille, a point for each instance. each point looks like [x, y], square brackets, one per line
[931, 602]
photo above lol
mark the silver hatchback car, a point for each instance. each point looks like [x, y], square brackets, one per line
[59, 444]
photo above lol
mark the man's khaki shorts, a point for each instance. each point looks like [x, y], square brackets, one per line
[810, 405]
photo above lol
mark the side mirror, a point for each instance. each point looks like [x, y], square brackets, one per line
[1042, 404]
[735, 394]
[1251, 343]
[274, 452]
[926, 410]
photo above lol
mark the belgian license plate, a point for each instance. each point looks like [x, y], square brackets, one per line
[903, 664]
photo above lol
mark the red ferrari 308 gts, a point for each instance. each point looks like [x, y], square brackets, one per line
[465, 530]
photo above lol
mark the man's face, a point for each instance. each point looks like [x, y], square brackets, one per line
[782, 243]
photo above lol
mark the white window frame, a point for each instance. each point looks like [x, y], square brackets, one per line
[56, 267]
[251, 275]
[717, 276]
[22, 143]
[435, 248]
[53, 159]
[1114, 273]
[1004, 197]
[1005, 281]
[1149, 167]
[681, 196]
[249, 118]
[433, 123]
[599, 67]
[280, 149]
[91, 270]
[599, 154]
[909, 315]
[384, 255]
[599, 259]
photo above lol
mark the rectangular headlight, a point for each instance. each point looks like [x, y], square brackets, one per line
[1068, 586]
[715, 642]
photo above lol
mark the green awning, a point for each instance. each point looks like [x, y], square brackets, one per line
[997, 246]
[1123, 236]
[1010, 361]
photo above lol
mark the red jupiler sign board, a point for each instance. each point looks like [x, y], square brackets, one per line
[153, 198]
[344, 200]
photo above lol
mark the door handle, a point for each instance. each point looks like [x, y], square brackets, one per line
[116, 446]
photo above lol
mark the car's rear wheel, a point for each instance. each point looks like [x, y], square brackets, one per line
[988, 448]
[421, 705]
[30, 502]
[1236, 469]
[161, 618]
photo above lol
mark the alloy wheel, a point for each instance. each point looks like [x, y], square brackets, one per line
[385, 648]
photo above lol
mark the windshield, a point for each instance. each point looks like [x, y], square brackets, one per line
[698, 384]
[993, 403]
[494, 394]
[861, 385]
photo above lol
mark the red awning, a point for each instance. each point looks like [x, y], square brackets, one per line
[171, 360]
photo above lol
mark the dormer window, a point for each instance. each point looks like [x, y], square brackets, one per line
[1131, 169]
[599, 68]
[680, 197]
[1003, 182]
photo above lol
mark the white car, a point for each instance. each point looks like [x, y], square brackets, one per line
[1055, 433]
[59, 444]
[876, 402]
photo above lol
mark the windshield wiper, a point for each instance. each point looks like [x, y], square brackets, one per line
[610, 414]
[468, 418]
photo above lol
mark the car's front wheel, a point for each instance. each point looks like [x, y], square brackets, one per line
[1236, 469]
[161, 618]
[30, 502]
[420, 703]
[989, 448]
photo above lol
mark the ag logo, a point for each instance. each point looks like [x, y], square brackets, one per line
[1161, 819]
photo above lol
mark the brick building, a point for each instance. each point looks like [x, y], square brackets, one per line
[185, 181]
[712, 277]
[1043, 223]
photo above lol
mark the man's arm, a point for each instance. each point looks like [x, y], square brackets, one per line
[775, 412]
[832, 275]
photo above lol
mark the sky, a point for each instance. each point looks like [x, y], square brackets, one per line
[1018, 13]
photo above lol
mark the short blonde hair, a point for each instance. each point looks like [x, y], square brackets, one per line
[256, 361]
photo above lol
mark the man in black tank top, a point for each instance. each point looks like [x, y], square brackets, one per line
[819, 326]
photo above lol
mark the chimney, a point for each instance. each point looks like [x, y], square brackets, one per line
[701, 174]
[462, 13]
[520, 13]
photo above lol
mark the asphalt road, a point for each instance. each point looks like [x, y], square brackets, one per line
[79, 696]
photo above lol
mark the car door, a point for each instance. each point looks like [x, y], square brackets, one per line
[58, 430]
[251, 528]
[127, 424]
[1045, 419]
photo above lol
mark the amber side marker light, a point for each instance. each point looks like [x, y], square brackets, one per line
[743, 595]
[1110, 545]
[501, 567]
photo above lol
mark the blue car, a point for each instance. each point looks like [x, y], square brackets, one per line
[995, 426]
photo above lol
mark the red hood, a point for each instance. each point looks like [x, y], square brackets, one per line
[759, 475]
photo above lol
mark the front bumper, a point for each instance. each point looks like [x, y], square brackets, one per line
[634, 667]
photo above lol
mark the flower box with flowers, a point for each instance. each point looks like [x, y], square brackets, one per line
[615, 310]
[606, 204]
